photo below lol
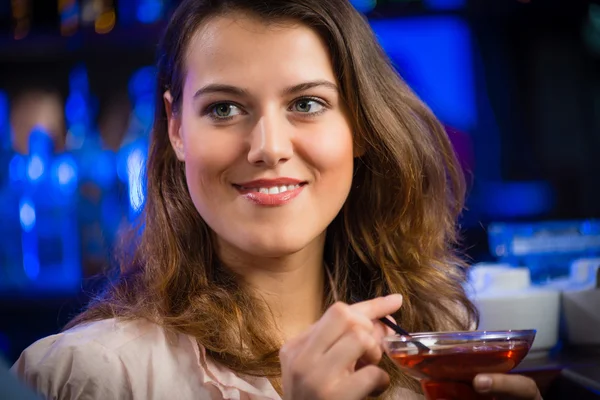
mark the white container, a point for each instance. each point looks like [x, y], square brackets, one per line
[506, 299]
[581, 303]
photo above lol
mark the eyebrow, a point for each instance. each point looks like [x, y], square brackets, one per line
[301, 87]
[229, 89]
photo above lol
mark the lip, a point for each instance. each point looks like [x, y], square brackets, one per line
[258, 183]
[270, 200]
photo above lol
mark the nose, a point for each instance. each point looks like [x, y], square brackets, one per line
[270, 142]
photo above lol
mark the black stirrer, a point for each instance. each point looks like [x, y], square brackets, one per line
[396, 328]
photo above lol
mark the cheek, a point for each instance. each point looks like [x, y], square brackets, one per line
[204, 168]
[331, 153]
[207, 156]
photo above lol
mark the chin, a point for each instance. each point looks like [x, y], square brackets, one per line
[273, 244]
[273, 249]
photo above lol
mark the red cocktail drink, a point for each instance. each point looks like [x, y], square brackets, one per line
[447, 370]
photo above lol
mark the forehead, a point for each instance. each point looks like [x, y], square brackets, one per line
[246, 49]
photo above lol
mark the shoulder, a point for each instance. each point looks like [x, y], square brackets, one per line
[74, 364]
[110, 336]
[106, 359]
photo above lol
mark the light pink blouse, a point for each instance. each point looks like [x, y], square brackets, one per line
[113, 359]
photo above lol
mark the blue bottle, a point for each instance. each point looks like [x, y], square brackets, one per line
[48, 218]
[98, 217]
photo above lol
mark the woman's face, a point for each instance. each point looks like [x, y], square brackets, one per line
[265, 139]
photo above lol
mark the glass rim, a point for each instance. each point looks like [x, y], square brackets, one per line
[467, 336]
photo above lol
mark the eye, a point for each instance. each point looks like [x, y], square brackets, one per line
[308, 106]
[224, 111]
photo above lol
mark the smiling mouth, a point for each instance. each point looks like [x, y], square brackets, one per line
[270, 194]
[275, 189]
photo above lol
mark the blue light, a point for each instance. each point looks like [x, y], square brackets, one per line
[76, 136]
[64, 172]
[122, 160]
[587, 228]
[31, 265]
[35, 169]
[144, 110]
[141, 82]
[75, 109]
[435, 58]
[27, 215]
[135, 166]
[517, 199]
[78, 80]
[40, 142]
[364, 6]
[149, 11]
[104, 172]
[445, 5]
[70, 12]
[16, 168]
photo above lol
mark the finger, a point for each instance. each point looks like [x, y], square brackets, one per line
[378, 307]
[374, 357]
[382, 330]
[354, 344]
[368, 381]
[336, 321]
[515, 386]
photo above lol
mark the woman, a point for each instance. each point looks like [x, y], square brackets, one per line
[290, 172]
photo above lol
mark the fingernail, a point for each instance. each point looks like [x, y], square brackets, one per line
[483, 383]
[394, 297]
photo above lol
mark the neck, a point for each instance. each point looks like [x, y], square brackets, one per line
[292, 286]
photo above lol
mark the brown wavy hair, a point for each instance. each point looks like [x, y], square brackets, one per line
[396, 232]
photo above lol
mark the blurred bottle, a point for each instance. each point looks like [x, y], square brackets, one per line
[47, 210]
[113, 124]
[30, 248]
[97, 173]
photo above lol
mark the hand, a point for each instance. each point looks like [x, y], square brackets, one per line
[505, 387]
[337, 357]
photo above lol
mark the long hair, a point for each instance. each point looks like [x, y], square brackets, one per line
[396, 232]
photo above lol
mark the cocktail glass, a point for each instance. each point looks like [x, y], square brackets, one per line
[447, 369]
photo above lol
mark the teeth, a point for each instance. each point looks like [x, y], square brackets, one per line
[276, 189]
